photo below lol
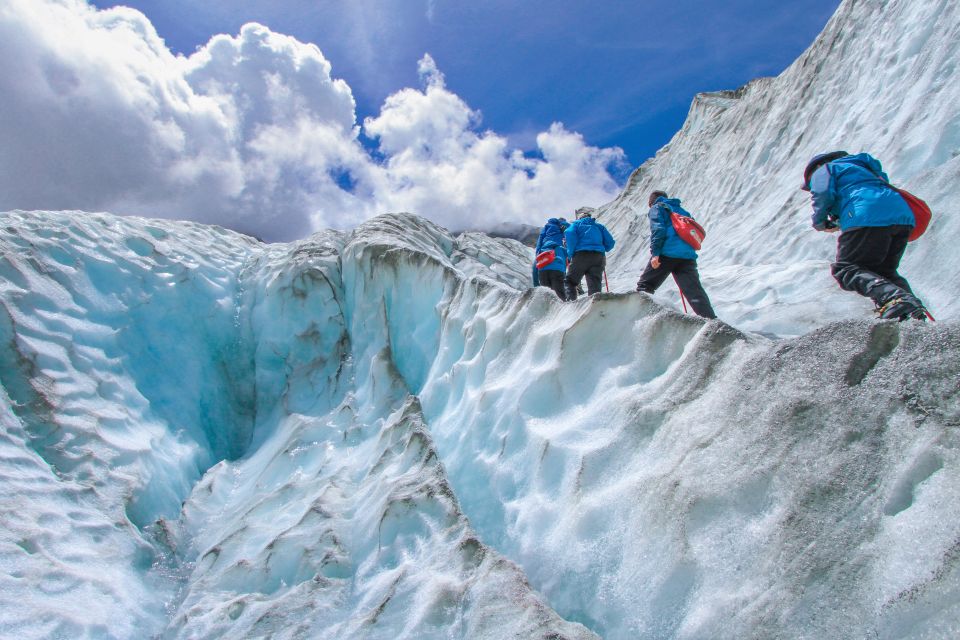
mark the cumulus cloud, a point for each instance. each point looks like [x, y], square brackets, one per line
[252, 132]
[438, 161]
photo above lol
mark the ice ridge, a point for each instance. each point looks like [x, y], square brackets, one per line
[204, 438]
[415, 451]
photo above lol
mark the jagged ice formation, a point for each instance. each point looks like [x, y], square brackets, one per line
[368, 442]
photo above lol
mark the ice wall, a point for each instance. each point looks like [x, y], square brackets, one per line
[370, 442]
[207, 436]
[342, 523]
[881, 78]
[662, 478]
[123, 381]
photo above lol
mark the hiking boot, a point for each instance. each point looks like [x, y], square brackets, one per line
[902, 308]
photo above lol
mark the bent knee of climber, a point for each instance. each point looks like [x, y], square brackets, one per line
[844, 273]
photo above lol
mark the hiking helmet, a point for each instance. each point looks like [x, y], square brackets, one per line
[818, 161]
[654, 195]
[584, 212]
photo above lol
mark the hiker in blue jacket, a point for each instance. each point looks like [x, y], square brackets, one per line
[588, 242]
[672, 255]
[551, 239]
[851, 194]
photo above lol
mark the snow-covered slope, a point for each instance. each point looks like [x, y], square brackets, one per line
[353, 437]
[881, 78]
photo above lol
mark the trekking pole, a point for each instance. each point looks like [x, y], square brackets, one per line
[605, 281]
[684, 301]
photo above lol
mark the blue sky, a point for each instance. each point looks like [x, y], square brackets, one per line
[622, 73]
[278, 118]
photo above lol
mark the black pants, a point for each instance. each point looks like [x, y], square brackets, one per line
[687, 278]
[553, 279]
[867, 262]
[585, 263]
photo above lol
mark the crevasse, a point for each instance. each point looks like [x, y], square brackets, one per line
[314, 502]
[421, 444]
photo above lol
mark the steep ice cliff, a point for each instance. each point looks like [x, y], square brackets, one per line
[881, 78]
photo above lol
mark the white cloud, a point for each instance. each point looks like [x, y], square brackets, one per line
[251, 132]
[439, 163]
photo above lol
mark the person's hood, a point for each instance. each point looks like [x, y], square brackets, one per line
[821, 159]
[864, 160]
[672, 203]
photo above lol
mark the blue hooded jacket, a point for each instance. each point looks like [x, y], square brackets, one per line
[853, 192]
[586, 234]
[664, 240]
[551, 237]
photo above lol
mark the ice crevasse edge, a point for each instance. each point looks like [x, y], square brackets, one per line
[331, 413]
[145, 351]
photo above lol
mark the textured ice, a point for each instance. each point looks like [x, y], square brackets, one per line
[207, 436]
[384, 433]
[881, 78]
[350, 436]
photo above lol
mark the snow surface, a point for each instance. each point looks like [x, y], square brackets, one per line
[881, 78]
[354, 437]
[384, 433]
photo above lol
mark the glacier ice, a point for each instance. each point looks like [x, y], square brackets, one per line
[384, 433]
[355, 436]
[881, 78]
[207, 436]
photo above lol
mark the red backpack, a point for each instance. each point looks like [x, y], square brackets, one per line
[688, 229]
[544, 258]
[921, 213]
[921, 210]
